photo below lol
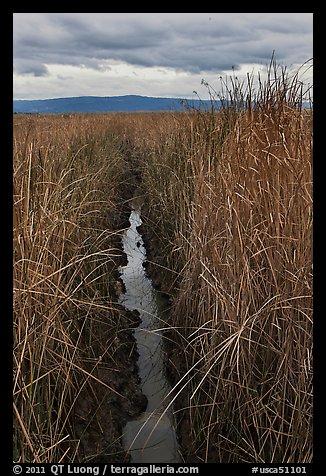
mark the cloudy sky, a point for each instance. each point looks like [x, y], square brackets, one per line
[152, 54]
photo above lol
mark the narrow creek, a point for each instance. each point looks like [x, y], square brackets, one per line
[150, 438]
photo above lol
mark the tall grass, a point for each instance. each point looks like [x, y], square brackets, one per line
[228, 203]
[229, 196]
[68, 176]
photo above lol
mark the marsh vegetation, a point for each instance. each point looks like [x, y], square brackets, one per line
[228, 215]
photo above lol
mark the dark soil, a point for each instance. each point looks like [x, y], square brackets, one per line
[176, 359]
[105, 405]
[112, 394]
[176, 365]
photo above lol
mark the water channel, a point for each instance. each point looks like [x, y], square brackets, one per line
[151, 437]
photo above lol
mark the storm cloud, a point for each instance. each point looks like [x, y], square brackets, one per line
[193, 43]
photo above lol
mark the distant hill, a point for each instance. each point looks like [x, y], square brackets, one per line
[128, 103]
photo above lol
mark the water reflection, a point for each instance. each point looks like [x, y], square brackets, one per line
[151, 437]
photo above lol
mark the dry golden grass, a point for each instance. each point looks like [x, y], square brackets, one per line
[230, 200]
[68, 176]
[229, 206]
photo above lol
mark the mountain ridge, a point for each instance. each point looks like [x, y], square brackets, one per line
[126, 103]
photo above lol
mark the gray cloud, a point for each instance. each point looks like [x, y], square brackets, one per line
[30, 66]
[199, 42]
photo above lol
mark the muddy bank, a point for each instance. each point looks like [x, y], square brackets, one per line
[155, 264]
[176, 365]
[150, 438]
[111, 394]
